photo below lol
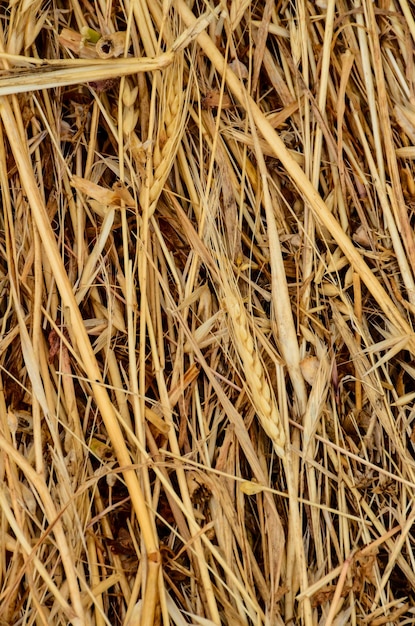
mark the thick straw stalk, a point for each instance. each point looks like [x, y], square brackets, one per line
[78, 72]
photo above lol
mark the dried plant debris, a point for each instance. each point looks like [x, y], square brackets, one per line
[207, 278]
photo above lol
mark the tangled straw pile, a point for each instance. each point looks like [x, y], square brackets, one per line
[207, 269]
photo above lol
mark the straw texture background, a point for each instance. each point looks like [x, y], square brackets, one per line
[207, 278]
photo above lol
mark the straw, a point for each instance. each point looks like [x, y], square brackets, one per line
[207, 278]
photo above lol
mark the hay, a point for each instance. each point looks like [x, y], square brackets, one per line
[207, 275]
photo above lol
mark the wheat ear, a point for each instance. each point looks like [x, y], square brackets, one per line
[262, 396]
[168, 141]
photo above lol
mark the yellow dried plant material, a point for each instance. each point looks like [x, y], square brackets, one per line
[129, 119]
[348, 279]
[405, 116]
[129, 94]
[157, 421]
[169, 132]
[134, 615]
[295, 40]
[76, 43]
[200, 621]
[33, 27]
[279, 118]
[214, 99]
[111, 46]
[107, 197]
[408, 152]
[261, 394]
[63, 72]
[152, 279]
[250, 488]
[309, 368]
[319, 272]
[246, 139]
[337, 261]
[92, 265]
[408, 181]
[178, 390]
[407, 399]
[238, 8]
[329, 289]
[205, 334]
[308, 335]
[111, 479]
[112, 313]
